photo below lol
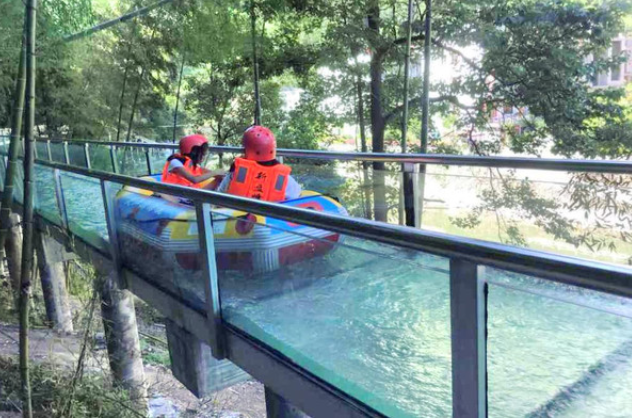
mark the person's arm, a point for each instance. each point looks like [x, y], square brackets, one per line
[293, 189]
[223, 186]
[183, 172]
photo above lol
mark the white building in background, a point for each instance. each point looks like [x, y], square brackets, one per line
[622, 74]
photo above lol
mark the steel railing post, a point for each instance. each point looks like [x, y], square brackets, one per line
[111, 222]
[66, 154]
[86, 153]
[211, 287]
[150, 167]
[409, 173]
[50, 151]
[468, 308]
[113, 160]
[61, 201]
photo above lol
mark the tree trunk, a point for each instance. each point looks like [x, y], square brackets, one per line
[425, 109]
[134, 103]
[27, 247]
[121, 333]
[120, 115]
[377, 115]
[366, 184]
[14, 150]
[50, 260]
[255, 63]
[175, 113]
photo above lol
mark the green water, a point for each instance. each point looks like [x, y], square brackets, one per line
[381, 333]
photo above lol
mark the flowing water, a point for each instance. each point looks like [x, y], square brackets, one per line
[374, 321]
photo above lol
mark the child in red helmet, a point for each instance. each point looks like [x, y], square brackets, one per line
[184, 168]
[258, 174]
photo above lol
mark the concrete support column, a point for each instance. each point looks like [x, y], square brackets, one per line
[13, 248]
[50, 262]
[278, 407]
[121, 333]
[193, 364]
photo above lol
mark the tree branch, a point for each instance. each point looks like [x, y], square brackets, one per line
[417, 101]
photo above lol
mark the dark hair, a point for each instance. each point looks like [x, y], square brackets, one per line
[197, 154]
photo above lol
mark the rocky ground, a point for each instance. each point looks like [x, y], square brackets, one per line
[169, 398]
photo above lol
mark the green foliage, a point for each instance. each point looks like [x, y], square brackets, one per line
[51, 390]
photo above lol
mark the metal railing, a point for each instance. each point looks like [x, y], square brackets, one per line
[552, 164]
[468, 296]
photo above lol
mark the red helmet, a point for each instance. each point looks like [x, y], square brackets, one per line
[259, 143]
[188, 142]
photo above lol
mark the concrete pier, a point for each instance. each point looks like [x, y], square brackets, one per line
[50, 262]
[195, 367]
[121, 334]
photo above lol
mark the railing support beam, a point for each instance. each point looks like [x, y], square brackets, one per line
[278, 407]
[211, 288]
[468, 294]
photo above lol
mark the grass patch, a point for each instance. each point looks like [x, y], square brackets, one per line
[154, 353]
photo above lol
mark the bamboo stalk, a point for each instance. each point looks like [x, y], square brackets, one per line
[123, 18]
[27, 249]
[14, 148]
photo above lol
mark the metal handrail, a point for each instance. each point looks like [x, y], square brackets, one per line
[589, 274]
[552, 164]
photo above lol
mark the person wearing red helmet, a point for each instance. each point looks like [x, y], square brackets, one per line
[258, 174]
[184, 168]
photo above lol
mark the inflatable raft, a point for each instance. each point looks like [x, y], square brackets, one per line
[161, 236]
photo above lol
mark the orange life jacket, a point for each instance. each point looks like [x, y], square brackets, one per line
[173, 178]
[257, 181]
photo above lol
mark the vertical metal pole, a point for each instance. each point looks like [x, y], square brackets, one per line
[255, 62]
[61, 201]
[425, 99]
[113, 160]
[150, 168]
[86, 153]
[211, 287]
[50, 152]
[406, 75]
[468, 307]
[66, 154]
[110, 219]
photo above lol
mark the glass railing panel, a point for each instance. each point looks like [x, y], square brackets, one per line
[556, 350]
[41, 149]
[579, 214]
[45, 197]
[158, 240]
[369, 194]
[132, 161]
[57, 152]
[158, 157]
[371, 319]
[100, 157]
[83, 201]
[77, 154]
